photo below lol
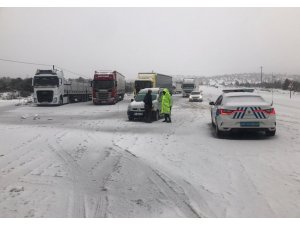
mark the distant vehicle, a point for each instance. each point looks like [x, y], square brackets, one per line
[51, 88]
[178, 88]
[188, 85]
[108, 87]
[242, 111]
[136, 108]
[152, 80]
[196, 96]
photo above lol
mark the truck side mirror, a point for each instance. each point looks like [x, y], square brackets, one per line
[116, 83]
[91, 83]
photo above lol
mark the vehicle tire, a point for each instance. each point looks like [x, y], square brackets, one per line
[212, 122]
[219, 134]
[60, 101]
[156, 115]
[130, 118]
[270, 133]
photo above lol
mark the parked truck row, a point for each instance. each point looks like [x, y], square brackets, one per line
[106, 87]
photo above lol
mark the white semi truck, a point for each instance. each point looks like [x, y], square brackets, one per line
[51, 88]
[188, 85]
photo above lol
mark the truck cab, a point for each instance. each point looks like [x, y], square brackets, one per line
[48, 87]
[188, 85]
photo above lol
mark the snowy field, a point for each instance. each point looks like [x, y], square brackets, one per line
[81, 160]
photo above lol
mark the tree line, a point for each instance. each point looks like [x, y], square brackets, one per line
[23, 86]
[287, 84]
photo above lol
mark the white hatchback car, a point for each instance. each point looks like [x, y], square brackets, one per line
[136, 108]
[242, 111]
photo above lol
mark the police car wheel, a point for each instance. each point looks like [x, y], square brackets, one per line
[270, 133]
[219, 134]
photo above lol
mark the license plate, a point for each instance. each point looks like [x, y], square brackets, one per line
[138, 114]
[249, 124]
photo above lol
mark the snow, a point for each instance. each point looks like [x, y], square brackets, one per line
[81, 160]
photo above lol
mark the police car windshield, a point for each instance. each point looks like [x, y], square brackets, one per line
[140, 97]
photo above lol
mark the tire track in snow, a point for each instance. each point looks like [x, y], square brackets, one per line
[168, 187]
[88, 182]
[19, 151]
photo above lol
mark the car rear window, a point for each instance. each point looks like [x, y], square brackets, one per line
[252, 99]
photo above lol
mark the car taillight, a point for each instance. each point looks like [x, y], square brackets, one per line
[270, 111]
[225, 111]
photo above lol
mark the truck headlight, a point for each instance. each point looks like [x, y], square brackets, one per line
[55, 99]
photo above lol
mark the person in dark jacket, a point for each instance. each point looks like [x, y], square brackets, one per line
[148, 106]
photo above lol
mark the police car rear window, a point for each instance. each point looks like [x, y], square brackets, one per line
[252, 99]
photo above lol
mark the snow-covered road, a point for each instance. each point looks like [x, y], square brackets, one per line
[81, 160]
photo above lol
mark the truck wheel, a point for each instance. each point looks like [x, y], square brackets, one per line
[61, 101]
[130, 118]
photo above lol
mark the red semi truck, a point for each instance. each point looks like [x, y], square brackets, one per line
[108, 87]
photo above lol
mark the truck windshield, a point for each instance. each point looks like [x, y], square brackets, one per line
[46, 81]
[141, 84]
[140, 97]
[103, 84]
[188, 85]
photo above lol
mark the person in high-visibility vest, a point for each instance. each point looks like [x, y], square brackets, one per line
[166, 105]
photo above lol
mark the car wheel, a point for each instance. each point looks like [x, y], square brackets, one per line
[219, 134]
[270, 133]
[212, 122]
[130, 118]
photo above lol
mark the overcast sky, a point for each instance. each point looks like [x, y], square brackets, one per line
[174, 41]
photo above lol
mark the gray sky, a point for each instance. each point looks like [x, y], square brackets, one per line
[174, 41]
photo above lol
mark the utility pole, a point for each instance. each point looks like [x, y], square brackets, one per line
[261, 76]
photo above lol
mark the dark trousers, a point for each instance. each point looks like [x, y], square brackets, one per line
[167, 118]
[148, 115]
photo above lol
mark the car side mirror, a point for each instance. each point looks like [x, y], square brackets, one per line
[211, 103]
[132, 100]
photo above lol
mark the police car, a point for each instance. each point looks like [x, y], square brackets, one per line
[242, 110]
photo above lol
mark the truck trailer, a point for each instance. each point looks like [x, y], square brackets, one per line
[51, 88]
[152, 80]
[108, 87]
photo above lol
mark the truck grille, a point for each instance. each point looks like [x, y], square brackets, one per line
[44, 96]
[103, 95]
